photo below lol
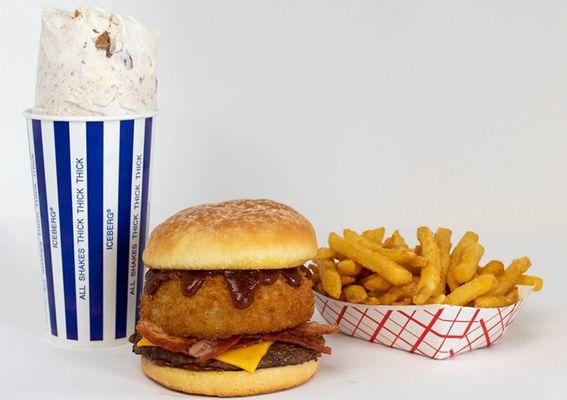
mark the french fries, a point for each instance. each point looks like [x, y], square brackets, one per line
[439, 299]
[511, 276]
[347, 280]
[529, 280]
[365, 268]
[375, 235]
[431, 274]
[399, 255]
[398, 293]
[315, 277]
[497, 301]
[417, 250]
[466, 293]
[324, 253]
[467, 240]
[355, 294]
[375, 283]
[349, 268]
[467, 266]
[386, 268]
[443, 240]
[493, 267]
[330, 278]
[371, 300]
[396, 240]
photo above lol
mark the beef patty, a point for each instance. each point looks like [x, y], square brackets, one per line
[278, 355]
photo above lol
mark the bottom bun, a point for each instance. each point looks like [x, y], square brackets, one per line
[230, 383]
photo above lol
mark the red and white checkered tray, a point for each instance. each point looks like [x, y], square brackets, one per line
[435, 331]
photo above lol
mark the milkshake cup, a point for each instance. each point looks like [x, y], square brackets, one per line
[90, 144]
[91, 181]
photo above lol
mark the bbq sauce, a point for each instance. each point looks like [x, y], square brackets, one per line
[268, 277]
[154, 279]
[241, 284]
[191, 281]
[293, 276]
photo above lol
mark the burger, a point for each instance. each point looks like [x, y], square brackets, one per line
[227, 300]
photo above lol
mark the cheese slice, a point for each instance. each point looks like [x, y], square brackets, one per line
[247, 357]
[145, 342]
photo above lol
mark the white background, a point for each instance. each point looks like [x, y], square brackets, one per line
[357, 113]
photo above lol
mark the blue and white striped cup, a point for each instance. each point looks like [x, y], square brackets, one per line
[91, 180]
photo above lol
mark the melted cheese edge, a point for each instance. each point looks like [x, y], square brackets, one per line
[246, 358]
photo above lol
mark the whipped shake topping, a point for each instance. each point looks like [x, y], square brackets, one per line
[95, 63]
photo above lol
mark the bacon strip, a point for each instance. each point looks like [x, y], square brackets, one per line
[308, 335]
[205, 349]
[316, 343]
[313, 328]
[157, 336]
[246, 341]
[201, 349]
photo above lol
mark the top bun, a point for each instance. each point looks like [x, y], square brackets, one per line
[234, 234]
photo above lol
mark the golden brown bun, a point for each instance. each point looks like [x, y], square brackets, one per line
[235, 234]
[230, 383]
[210, 313]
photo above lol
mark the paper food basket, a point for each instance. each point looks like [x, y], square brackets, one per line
[436, 331]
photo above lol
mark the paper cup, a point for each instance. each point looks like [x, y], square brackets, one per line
[91, 180]
[436, 331]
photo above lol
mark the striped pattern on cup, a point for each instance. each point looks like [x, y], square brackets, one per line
[90, 184]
